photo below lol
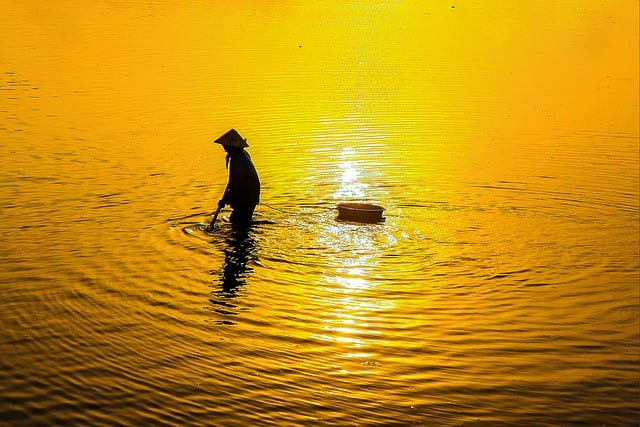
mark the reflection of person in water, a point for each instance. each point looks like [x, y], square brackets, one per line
[243, 189]
[239, 252]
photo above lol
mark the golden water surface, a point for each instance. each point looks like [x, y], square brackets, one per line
[501, 137]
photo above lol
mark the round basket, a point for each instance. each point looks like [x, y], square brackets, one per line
[360, 212]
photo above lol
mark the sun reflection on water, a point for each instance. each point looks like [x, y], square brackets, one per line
[354, 282]
[350, 187]
[353, 319]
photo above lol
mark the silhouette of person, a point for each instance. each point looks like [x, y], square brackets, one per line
[243, 188]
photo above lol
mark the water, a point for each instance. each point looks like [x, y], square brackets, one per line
[502, 288]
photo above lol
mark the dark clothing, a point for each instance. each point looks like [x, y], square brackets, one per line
[242, 215]
[243, 189]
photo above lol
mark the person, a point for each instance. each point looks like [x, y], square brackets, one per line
[243, 188]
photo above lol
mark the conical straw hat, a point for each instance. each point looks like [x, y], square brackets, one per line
[232, 139]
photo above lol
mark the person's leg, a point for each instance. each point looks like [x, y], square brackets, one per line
[241, 215]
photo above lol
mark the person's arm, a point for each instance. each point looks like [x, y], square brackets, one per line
[233, 193]
[225, 200]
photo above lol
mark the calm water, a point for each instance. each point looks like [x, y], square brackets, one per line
[502, 289]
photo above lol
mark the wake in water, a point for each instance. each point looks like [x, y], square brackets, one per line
[222, 227]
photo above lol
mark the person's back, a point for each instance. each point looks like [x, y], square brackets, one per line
[243, 189]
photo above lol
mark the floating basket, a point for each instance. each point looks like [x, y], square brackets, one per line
[360, 212]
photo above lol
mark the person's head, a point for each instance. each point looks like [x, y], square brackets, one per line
[231, 150]
[232, 142]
